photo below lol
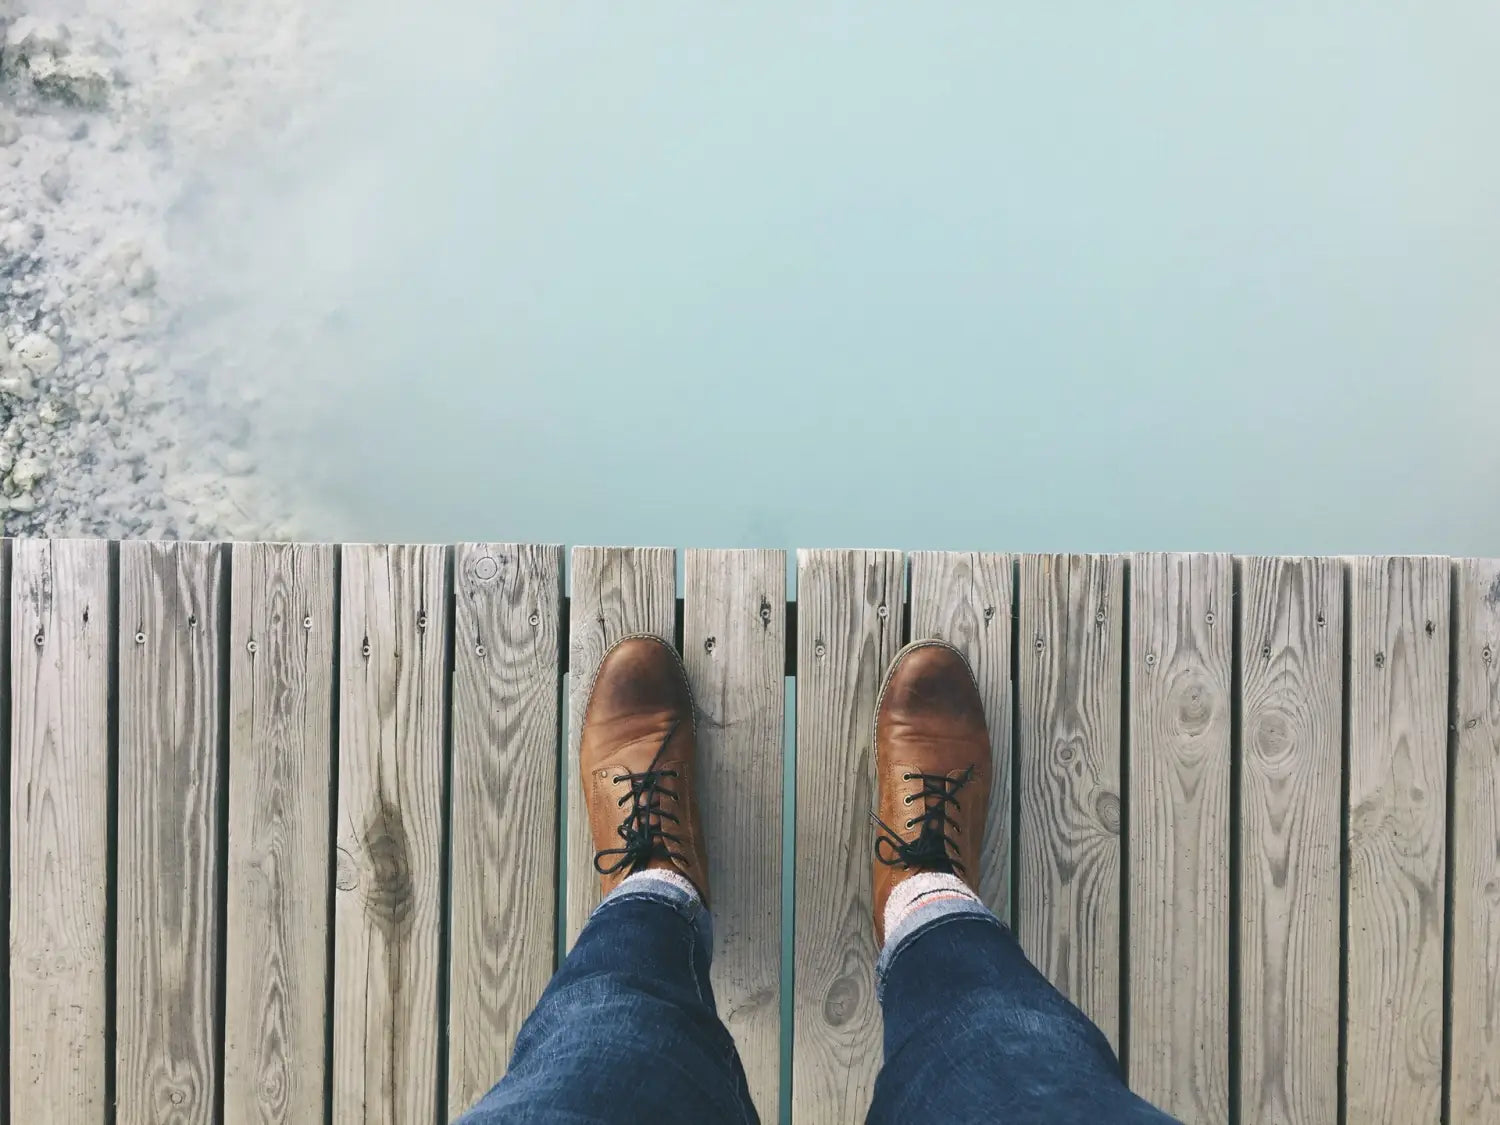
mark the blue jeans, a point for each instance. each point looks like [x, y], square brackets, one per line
[627, 1030]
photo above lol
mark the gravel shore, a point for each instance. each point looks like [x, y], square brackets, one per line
[112, 118]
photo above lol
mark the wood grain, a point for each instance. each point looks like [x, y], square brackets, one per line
[59, 818]
[282, 633]
[1398, 783]
[617, 591]
[1069, 656]
[503, 929]
[393, 643]
[734, 649]
[965, 599]
[1475, 1090]
[1291, 723]
[849, 609]
[1181, 687]
[171, 643]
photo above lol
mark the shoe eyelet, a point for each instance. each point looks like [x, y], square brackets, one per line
[911, 822]
[907, 776]
[908, 798]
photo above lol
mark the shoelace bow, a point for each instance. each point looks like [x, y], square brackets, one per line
[644, 835]
[930, 848]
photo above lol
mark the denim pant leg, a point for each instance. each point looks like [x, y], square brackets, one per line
[974, 1033]
[627, 1030]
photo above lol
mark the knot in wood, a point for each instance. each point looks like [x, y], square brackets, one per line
[841, 1001]
[1195, 705]
[1107, 809]
[388, 898]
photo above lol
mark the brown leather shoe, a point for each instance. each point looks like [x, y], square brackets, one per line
[636, 761]
[932, 770]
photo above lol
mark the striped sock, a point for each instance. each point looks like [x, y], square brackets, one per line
[924, 889]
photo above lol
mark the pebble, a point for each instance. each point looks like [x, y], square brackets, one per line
[238, 462]
[38, 354]
[10, 129]
[22, 504]
[31, 37]
[56, 180]
[26, 472]
[140, 277]
[18, 385]
[82, 82]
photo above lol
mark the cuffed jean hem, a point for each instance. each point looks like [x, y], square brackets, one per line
[918, 922]
[688, 905]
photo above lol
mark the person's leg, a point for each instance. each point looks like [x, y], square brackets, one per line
[627, 1030]
[973, 1032]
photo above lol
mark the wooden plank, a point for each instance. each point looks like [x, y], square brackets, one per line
[1475, 1091]
[170, 647]
[59, 820]
[734, 648]
[1068, 901]
[1291, 670]
[393, 648]
[282, 634]
[617, 591]
[849, 609]
[5, 828]
[1398, 784]
[503, 915]
[1181, 686]
[965, 599]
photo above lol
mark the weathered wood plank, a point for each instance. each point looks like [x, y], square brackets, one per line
[965, 599]
[617, 591]
[1398, 782]
[59, 819]
[393, 645]
[170, 773]
[503, 928]
[849, 608]
[1475, 1090]
[1181, 686]
[5, 828]
[1291, 723]
[734, 649]
[1068, 902]
[282, 634]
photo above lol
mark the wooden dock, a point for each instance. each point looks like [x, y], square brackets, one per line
[285, 823]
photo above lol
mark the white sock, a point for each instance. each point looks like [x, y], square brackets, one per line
[658, 875]
[922, 890]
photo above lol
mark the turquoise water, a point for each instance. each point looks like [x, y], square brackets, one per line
[957, 276]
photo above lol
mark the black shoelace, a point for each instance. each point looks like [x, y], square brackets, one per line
[645, 836]
[929, 851]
